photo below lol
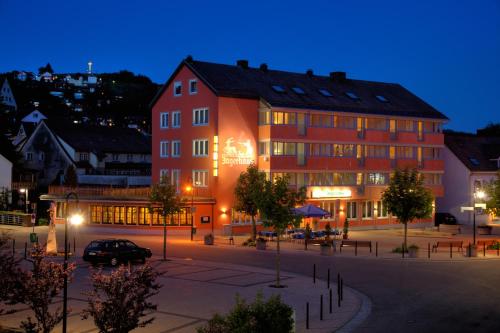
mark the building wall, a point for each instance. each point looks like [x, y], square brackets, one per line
[5, 173]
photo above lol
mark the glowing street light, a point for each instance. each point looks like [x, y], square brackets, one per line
[479, 194]
[25, 191]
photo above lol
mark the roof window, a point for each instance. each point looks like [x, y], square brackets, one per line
[474, 161]
[298, 90]
[325, 92]
[352, 95]
[382, 99]
[278, 88]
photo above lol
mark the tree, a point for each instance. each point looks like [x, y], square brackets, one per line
[407, 198]
[493, 196]
[70, 178]
[9, 271]
[46, 68]
[119, 300]
[271, 316]
[248, 188]
[165, 201]
[276, 203]
[38, 289]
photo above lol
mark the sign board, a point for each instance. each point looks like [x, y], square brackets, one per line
[463, 209]
[205, 219]
[237, 152]
[480, 205]
[33, 218]
[330, 192]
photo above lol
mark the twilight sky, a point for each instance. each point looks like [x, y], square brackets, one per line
[446, 52]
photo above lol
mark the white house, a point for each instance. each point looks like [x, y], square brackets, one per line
[5, 173]
[471, 162]
[7, 96]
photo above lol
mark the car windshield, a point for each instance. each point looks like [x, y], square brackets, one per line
[95, 245]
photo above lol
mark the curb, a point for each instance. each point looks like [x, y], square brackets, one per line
[364, 311]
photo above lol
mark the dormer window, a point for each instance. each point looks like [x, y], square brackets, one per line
[278, 88]
[178, 88]
[325, 93]
[352, 96]
[298, 90]
[382, 99]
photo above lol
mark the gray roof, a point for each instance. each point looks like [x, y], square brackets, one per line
[477, 153]
[255, 83]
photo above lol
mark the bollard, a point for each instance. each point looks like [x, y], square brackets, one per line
[341, 289]
[451, 251]
[429, 250]
[330, 292]
[328, 280]
[376, 249]
[314, 273]
[356, 248]
[321, 307]
[470, 249]
[74, 245]
[338, 284]
[403, 250]
[484, 249]
[13, 246]
[307, 315]
[25, 249]
[498, 249]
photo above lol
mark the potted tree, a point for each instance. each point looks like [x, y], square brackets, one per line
[413, 251]
[261, 243]
[346, 229]
[208, 239]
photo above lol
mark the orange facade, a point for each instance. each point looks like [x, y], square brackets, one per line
[345, 164]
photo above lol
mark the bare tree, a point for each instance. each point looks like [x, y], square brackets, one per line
[119, 300]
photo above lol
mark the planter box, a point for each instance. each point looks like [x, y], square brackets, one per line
[451, 228]
[325, 250]
[261, 245]
[471, 251]
[484, 230]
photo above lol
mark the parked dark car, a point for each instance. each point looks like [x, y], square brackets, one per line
[444, 218]
[114, 251]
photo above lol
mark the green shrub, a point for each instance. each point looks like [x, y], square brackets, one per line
[43, 221]
[399, 249]
[271, 316]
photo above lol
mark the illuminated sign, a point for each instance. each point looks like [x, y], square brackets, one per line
[330, 192]
[237, 153]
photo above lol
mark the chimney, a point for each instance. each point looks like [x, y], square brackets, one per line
[310, 73]
[189, 58]
[338, 76]
[263, 67]
[242, 63]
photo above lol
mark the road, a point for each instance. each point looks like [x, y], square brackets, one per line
[407, 296]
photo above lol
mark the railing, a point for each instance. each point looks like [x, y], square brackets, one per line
[20, 185]
[143, 192]
[13, 218]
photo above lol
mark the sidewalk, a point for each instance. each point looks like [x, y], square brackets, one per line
[194, 290]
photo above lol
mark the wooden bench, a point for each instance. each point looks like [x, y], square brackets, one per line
[448, 244]
[356, 244]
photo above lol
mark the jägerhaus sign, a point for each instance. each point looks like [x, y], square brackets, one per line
[237, 152]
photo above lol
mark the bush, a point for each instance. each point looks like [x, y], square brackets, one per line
[399, 249]
[271, 316]
[43, 221]
[249, 242]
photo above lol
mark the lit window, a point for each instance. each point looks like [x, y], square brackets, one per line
[193, 87]
[352, 95]
[163, 148]
[200, 116]
[278, 88]
[298, 90]
[84, 156]
[164, 120]
[200, 147]
[176, 148]
[351, 211]
[177, 88]
[200, 178]
[176, 119]
[382, 99]
[366, 208]
[325, 92]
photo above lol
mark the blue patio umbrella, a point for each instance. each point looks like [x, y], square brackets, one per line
[311, 211]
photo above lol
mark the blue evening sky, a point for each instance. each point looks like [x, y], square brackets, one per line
[446, 52]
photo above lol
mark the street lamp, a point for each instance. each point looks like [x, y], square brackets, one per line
[189, 189]
[25, 191]
[477, 195]
[74, 219]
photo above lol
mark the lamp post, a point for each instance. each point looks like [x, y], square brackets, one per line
[190, 189]
[75, 219]
[25, 191]
[477, 195]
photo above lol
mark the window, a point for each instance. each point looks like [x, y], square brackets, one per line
[321, 120]
[376, 124]
[178, 88]
[375, 151]
[176, 179]
[130, 157]
[382, 99]
[431, 153]
[119, 215]
[115, 157]
[163, 174]
[200, 116]
[200, 147]
[320, 149]
[284, 148]
[377, 178]
[325, 93]
[29, 156]
[193, 87]
[264, 117]
[474, 161]
[164, 120]
[84, 156]
[132, 215]
[351, 211]
[163, 148]
[61, 210]
[380, 210]
[278, 88]
[343, 150]
[41, 156]
[107, 214]
[344, 122]
[404, 152]
[95, 214]
[435, 179]
[144, 216]
[298, 90]
[176, 119]
[404, 125]
[366, 209]
[352, 95]
[284, 118]
[200, 178]
[264, 148]
[176, 148]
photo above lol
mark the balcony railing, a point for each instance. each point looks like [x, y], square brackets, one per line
[138, 192]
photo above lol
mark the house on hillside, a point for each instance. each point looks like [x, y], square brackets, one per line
[7, 96]
[471, 162]
[33, 117]
[5, 173]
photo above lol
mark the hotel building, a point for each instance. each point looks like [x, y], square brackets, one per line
[339, 137]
